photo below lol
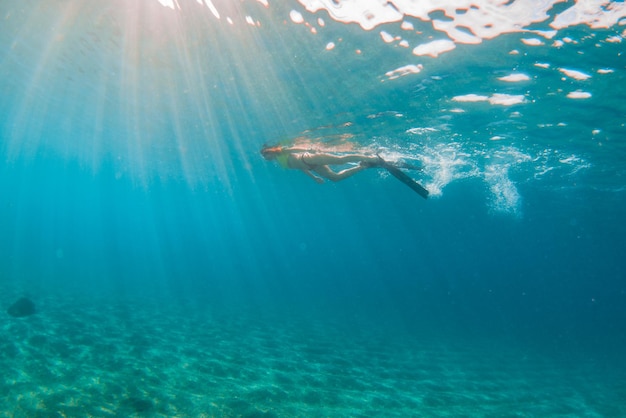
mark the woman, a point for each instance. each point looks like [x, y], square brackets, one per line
[316, 164]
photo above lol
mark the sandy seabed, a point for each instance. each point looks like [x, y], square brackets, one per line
[101, 359]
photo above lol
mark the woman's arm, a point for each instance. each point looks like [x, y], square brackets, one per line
[317, 179]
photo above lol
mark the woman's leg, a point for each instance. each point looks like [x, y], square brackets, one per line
[330, 159]
[326, 172]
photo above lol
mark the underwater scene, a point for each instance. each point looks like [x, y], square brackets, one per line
[313, 208]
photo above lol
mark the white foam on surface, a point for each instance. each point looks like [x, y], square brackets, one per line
[421, 130]
[296, 17]
[485, 19]
[432, 28]
[532, 41]
[404, 70]
[470, 98]
[506, 99]
[514, 78]
[575, 74]
[406, 25]
[579, 95]
[594, 13]
[457, 35]
[434, 48]
[368, 14]
[386, 37]
[495, 99]
[465, 22]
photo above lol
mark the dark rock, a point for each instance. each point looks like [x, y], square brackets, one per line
[22, 307]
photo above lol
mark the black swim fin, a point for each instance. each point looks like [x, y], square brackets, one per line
[398, 164]
[403, 177]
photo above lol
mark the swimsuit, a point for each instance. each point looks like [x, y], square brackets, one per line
[283, 161]
[309, 166]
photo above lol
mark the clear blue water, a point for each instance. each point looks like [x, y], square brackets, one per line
[177, 273]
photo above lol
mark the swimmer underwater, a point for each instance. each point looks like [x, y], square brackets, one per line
[317, 164]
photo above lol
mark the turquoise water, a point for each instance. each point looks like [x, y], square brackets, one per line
[175, 272]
